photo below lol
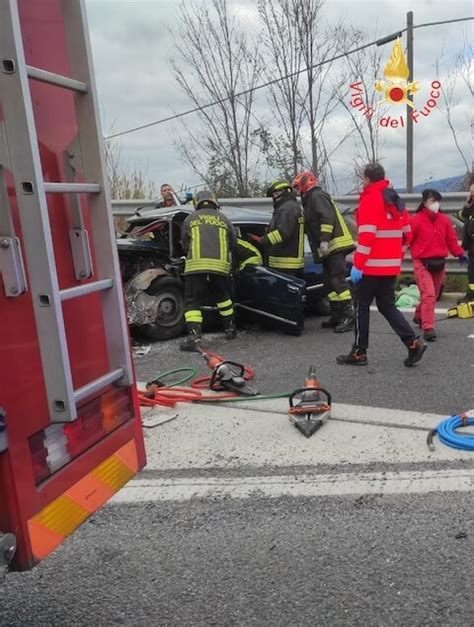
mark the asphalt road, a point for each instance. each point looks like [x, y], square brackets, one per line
[443, 382]
[330, 561]
[363, 559]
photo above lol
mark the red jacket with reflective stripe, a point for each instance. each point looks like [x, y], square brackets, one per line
[383, 231]
[433, 236]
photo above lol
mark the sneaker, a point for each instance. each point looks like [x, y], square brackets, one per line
[357, 357]
[417, 321]
[415, 352]
[430, 335]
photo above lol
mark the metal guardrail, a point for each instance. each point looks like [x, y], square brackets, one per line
[452, 203]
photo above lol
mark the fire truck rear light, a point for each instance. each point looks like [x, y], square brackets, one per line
[39, 457]
[58, 444]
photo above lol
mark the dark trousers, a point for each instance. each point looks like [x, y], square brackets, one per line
[470, 269]
[382, 288]
[335, 281]
[196, 289]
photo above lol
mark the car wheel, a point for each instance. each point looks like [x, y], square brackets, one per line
[169, 296]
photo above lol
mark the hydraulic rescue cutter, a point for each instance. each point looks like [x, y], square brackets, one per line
[227, 375]
[308, 411]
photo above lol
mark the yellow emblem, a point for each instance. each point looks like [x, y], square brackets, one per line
[396, 72]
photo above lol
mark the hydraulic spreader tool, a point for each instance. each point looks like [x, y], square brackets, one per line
[228, 375]
[308, 411]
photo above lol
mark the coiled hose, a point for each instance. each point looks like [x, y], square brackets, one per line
[158, 393]
[446, 432]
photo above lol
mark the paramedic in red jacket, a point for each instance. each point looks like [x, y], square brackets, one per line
[433, 238]
[383, 231]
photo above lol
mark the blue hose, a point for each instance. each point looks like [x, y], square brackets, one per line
[446, 431]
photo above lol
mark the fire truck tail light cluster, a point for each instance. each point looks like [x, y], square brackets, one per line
[58, 444]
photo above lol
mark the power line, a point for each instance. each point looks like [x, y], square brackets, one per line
[378, 42]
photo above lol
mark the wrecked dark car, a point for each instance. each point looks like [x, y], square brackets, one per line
[152, 262]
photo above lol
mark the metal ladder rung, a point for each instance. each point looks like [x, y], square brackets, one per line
[98, 384]
[56, 79]
[86, 288]
[72, 188]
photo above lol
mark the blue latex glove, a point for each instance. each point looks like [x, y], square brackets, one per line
[462, 259]
[356, 275]
[188, 196]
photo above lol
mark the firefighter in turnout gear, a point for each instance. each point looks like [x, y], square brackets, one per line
[330, 242]
[283, 242]
[208, 240]
[466, 215]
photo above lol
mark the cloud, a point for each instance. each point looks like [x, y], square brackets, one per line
[131, 46]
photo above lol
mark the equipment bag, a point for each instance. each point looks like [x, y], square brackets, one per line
[434, 264]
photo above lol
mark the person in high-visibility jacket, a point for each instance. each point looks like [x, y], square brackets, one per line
[208, 239]
[330, 241]
[246, 254]
[383, 232]
[283, 243]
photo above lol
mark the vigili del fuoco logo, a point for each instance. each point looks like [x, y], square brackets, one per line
[395, 91]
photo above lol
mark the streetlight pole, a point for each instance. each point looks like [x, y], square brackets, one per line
[409, 157]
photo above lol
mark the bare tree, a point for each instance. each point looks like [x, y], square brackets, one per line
[214, 60]
[126, 183]
[361, 103]
[282, 47]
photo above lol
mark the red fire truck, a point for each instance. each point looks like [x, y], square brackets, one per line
[70, 429]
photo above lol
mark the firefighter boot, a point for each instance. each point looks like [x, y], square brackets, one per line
[346, 320]
[230, 329]
[193, 342]
[333, 320]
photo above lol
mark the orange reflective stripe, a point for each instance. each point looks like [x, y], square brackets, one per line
[49, 527]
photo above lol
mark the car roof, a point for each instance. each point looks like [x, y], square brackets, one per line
[237, 215]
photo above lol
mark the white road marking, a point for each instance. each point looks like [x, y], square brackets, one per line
[438, 310]
[471, 336]
[342, 484]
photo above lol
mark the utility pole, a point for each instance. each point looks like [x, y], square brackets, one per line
[409, 180]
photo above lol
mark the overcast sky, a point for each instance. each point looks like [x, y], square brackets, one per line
[131, 46]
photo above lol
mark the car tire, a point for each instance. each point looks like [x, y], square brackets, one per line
[170, 309]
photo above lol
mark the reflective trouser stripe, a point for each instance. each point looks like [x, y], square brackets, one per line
[382, 263]
[226, 308]
[335, 297]
[471, 286]
[345, 295]
[365, 250]
[193, 316]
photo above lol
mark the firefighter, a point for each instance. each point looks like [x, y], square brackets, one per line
[283, 242]
[330, 242]
[208, 239]
[466, 215]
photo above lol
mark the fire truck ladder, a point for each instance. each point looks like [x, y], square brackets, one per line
[19, 153]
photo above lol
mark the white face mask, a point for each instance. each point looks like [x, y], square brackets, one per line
[434, 207]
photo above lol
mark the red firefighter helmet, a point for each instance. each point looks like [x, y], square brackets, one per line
[305, 182]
